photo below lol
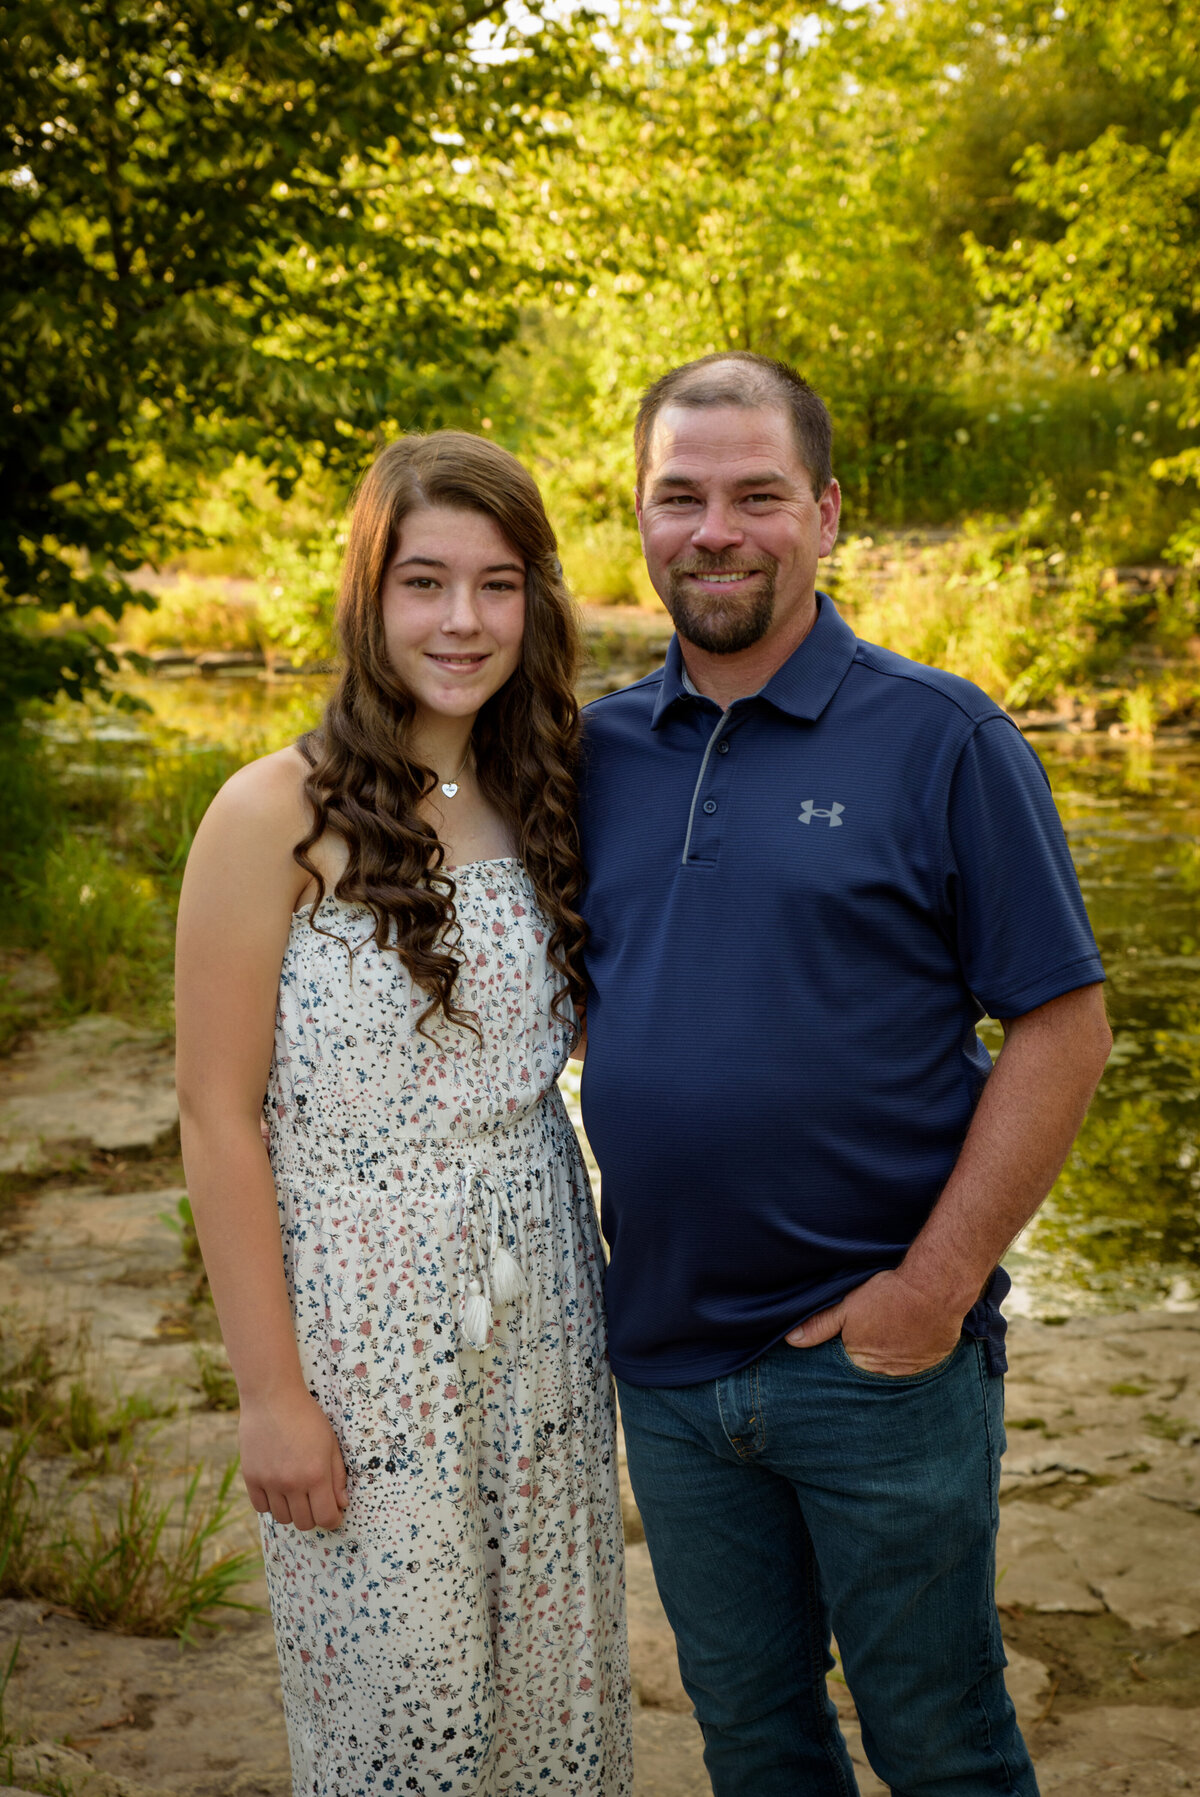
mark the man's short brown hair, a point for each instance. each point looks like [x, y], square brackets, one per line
[735, 377]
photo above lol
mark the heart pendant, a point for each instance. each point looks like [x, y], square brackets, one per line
[449, 787]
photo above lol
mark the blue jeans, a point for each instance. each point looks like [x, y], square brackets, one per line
[802, 1496]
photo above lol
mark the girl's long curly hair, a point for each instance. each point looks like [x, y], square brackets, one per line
[365, 783]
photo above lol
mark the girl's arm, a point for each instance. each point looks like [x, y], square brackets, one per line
[239, 892]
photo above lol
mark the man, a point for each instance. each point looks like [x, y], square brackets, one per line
[813, 865]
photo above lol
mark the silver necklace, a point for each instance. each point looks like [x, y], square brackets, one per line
[450, 787]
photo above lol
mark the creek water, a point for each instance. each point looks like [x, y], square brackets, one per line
[1122, 1226]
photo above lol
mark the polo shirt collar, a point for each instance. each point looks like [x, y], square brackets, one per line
[805, 683]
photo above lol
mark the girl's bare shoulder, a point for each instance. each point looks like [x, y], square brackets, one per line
[266, 792]
[260, 813]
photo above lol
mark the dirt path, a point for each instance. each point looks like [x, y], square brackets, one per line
[1100, 1533]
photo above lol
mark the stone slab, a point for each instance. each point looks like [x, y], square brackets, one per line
[98, 1083]
[1122, 1751]
[668, 1756]
[1142, 1557]
[1036, 1569]
[205, 1721]
[113, 1264]
[1117, 1549]
[50, 1766]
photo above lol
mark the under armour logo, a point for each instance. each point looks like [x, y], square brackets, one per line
[811, 809]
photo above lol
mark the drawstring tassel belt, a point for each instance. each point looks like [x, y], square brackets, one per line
[497, 1279]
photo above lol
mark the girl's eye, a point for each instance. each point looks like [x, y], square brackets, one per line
[423, 583]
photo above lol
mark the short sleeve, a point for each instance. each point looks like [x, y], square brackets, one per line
[1018, 914]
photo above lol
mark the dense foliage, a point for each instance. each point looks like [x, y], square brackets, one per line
[241, 243]
[871, 192]
[252, 229]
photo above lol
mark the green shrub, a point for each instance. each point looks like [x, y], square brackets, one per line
[297, 587]
[103, 927]
[169, 797]
[27, 813]
[194, 614]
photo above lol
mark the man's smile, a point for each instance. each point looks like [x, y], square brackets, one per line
[736, 577]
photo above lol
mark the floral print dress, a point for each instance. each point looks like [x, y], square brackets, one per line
[463, 1631]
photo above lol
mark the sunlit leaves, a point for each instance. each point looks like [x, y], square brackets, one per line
[1109, 264]
[256, 229]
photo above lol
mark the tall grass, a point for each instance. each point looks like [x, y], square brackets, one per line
[103, 925]
[1078, 448]
[153, 1570]
[97, 833]
[7, 1738]
[151, 1565]
[45, 1394]
[170, 796]
[29, 806]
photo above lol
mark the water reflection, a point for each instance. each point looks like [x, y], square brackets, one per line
[1122, 1227]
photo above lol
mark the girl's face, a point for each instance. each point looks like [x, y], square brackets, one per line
[453, 607]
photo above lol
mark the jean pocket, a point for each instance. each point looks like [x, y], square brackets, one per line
[899, 1379]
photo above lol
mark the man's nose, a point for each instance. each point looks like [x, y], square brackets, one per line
[718, 528]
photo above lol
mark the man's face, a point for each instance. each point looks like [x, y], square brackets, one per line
[730, 528]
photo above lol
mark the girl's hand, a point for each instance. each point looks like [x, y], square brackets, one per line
[292, 1463]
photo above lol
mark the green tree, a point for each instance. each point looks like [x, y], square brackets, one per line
[754, 179]
[1107, 264]
[258, 229]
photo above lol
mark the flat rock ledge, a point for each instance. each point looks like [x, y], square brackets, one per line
[97, 1083]
[1100, 1497]
[50, 1766]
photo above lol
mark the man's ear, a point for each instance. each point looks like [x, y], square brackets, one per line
[637, 508]
[830, 507]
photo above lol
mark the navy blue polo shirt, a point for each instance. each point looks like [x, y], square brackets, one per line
[798, 910]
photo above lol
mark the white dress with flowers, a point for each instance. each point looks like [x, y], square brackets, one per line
[463, 1630]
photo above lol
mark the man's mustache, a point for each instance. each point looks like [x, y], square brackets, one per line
[718, 565]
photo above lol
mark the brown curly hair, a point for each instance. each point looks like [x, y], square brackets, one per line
[365, 783]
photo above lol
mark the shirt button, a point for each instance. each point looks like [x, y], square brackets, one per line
[710, 806]
[722, 747]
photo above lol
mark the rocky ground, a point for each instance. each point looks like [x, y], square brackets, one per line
[1100, 1534]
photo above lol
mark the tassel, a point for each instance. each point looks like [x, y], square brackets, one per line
[508, 1281]
[477, 1319]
